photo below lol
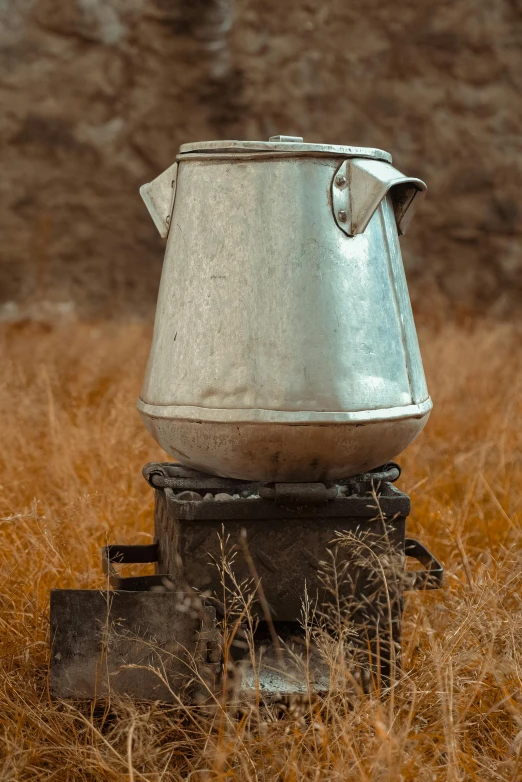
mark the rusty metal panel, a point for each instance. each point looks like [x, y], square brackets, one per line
[127, 643]
[284, 553]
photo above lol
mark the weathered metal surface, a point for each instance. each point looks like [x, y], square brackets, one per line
[274, 451]
[161, 475]
[283, 350]
[286, 670]
[350, 567]
[137, 554]
[359, 188]
[256, 508]
[345, 554]
[127, 643]
[287, 139]
[299, 494]
[280, 547]
[431, 577]
[240, 499]
[273, 147]
[158, 197]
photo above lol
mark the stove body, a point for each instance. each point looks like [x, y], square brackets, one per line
[220, 544]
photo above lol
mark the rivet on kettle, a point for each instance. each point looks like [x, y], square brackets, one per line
[340, 180]
[341, 214]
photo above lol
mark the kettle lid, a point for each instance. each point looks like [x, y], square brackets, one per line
[292, 145]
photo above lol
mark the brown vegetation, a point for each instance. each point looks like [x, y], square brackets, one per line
[72, 450]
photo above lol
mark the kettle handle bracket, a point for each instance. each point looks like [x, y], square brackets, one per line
[360, 185]
[158, 197]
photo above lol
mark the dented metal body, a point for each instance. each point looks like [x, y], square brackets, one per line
[284, 345]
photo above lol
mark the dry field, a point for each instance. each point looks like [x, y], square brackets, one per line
[72, 451]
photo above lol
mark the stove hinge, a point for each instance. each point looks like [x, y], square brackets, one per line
[298, 493]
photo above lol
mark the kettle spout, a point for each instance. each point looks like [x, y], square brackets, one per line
[359, 186]
[158, 196]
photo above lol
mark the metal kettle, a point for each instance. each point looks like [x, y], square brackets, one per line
[284, 345]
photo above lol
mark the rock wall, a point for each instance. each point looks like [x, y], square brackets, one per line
[98, 95]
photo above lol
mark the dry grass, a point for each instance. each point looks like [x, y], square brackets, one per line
[72, 451]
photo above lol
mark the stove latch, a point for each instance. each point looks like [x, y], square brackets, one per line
[298, 493]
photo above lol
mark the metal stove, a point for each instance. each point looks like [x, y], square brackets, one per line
[269, 588]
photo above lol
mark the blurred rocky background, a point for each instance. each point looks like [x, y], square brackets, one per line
[97, 95]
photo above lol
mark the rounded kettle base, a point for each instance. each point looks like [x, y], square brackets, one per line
[283, 452]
